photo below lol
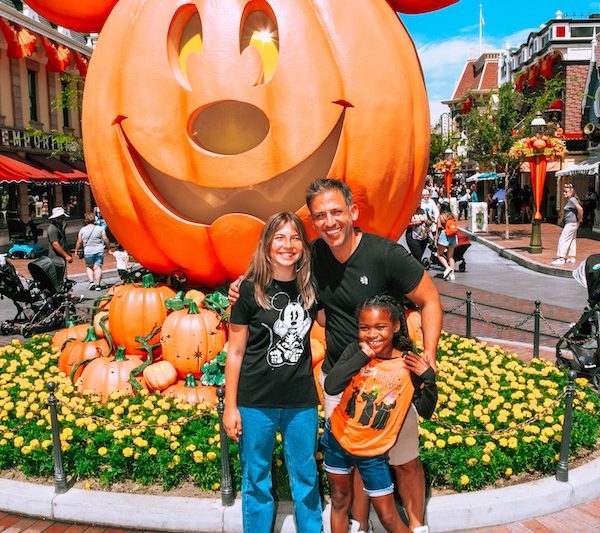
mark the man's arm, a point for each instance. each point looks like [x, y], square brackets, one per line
[426, 296]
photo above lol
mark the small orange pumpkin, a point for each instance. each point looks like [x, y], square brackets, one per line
[192, 337]
[72, 331]
[80, 350]
[191, 392]
[136, 310]
[196, 296]
[105, 375]
[539, 144]
[160, 375]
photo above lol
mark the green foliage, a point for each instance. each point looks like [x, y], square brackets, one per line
[213, 372]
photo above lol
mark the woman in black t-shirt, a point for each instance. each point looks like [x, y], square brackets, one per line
[268, 375]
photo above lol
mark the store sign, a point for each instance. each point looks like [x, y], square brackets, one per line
[27, 141]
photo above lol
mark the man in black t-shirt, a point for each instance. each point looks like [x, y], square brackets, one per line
[57, 239]
[350, 266]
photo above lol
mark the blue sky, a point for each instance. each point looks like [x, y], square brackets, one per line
[447, 38]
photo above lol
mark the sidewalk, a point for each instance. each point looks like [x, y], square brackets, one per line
[516, 247]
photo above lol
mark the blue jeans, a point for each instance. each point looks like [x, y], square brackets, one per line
[299, 431]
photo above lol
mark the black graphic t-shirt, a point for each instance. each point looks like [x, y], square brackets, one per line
[277, 366]
[377, 266]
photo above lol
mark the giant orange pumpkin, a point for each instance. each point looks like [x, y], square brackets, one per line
[81, 15]
[231, 109]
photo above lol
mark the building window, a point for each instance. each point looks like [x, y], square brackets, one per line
[64, 97]
[545, 39]
[582, 31]
[561, 31]
[33, 104]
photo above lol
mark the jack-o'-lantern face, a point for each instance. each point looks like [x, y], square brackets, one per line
[202, 118]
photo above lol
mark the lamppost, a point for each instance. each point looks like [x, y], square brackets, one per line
[537, 169]
[448, 171]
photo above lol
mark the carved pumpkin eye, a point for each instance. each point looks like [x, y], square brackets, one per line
[259, 29]
[185, 38]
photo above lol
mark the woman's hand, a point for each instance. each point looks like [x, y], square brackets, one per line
[417, 365]
[233, 294]
[232, 422]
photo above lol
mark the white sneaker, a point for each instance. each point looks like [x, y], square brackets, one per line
[447, 272]
[558, 262]
[571, 260]
[421, 529]
[354, 525]
[452, 277]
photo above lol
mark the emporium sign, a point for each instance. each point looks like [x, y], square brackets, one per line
[30, 141]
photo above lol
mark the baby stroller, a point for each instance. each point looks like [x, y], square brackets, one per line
[579, 348]
[23, 238]
[459, 253]
[43, 303]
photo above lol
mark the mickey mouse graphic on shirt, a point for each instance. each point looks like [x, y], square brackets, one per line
[289, 331]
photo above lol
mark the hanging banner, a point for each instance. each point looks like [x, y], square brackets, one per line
[21, 41]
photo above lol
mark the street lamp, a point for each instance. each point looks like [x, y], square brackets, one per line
[537, 169]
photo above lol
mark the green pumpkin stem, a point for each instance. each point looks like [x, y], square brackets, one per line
[120, 354]
[91, 335]
[70, 324]
[190, 381]
[192, 307]
[109, 339]
[147, 281]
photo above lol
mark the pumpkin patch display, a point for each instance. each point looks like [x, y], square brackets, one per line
[249, 102]
[191, 392]
[105, 375]
[80, 350]
[136, 310]
[191, 337]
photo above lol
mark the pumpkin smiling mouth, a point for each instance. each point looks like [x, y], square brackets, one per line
[204, 205]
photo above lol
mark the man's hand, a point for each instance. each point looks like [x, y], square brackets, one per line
[234, 290]
[232, 422]
[69, 258]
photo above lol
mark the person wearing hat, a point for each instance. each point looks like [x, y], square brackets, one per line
[57, 238]
[429, 206]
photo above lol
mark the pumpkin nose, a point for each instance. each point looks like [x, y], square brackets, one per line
[229, 127]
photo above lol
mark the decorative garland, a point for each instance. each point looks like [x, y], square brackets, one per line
[447, 165]
[551, 147]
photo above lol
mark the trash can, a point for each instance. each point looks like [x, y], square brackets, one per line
[478, 217]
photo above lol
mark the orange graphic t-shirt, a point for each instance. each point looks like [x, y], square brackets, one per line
[373, 406]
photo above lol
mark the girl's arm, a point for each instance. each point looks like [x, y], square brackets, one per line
[353, 358]
[232, 420]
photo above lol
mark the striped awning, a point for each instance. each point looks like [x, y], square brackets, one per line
[587, 167]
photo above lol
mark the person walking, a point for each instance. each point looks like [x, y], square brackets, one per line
[269, 377]
[566, 250]
[91, 241]
[57, 239]
[417, 233]
[429, 206]
[446, 241]
[464, 197]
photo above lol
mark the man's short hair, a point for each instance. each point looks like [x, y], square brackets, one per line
[327, 184]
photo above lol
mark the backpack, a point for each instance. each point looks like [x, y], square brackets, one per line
[451, 227]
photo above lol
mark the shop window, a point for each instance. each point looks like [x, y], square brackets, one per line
[561, 31]
[33, 101]
[40, 199]
[582, 31]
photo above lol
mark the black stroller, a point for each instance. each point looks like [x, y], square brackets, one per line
[579, 348]
[43, 303]
[431, 259]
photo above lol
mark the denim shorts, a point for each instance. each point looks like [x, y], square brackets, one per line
[445, 240]
[374, 471]
[94, 259]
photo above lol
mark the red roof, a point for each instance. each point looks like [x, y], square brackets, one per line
[478, 75]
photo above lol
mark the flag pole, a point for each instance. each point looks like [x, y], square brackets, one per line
[480, 29]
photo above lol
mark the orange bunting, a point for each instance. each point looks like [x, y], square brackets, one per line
[59, 56]
[82, 63]
[21, 41]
